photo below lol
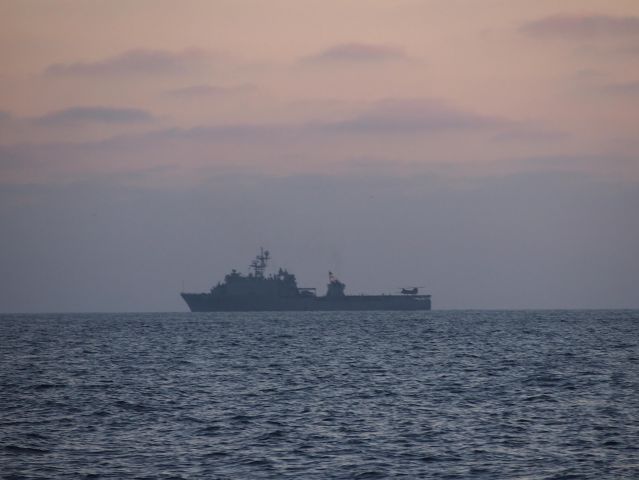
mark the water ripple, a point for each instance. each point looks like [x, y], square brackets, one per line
[534, 395]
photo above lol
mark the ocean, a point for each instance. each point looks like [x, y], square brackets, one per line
[441, 394]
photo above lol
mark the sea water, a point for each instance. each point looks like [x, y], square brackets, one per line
[442, 394]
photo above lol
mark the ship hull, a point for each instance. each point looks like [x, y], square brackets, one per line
[205, 302]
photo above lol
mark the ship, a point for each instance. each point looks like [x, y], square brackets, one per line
[259, 292]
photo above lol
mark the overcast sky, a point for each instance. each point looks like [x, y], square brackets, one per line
[488, 151]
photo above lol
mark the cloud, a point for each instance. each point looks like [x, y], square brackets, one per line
[629, 88]
[140, 61]
[282, 147]
[389, 116]
[530, 133]
[358, 52]
[76, 115]
[628, 50]
[179, 156]
[582, 26]
[197, 91]
[412, 115]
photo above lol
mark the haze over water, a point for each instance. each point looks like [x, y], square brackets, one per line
[508, 394]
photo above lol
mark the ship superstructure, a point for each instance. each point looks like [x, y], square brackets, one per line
[257, 291]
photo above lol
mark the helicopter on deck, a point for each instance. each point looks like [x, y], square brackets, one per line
[412, 290]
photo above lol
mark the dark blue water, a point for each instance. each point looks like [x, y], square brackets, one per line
[534, 395]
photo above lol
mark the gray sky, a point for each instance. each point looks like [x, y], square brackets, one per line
[488, 152]
[520, 241]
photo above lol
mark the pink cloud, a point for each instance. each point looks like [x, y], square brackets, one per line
[140, 61]
[93, 114]
[410, 115]
[629, 88]
[197, 91]
[582, 26]
[358, 52]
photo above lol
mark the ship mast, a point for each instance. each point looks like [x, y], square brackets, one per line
[259, 264]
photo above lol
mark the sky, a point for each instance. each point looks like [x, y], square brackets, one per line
[488, 151]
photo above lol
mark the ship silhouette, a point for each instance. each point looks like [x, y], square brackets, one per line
[259, 292]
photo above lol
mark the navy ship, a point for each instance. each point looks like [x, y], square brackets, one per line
[258, 292]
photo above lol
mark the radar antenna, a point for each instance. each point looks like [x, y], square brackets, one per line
[259, 264]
